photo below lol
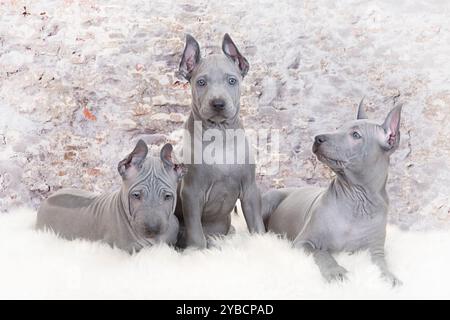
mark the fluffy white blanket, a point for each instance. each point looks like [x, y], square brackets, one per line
[41, 265]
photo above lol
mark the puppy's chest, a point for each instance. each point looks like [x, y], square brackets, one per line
[227, 148]
[225, 178]
[353, 234]
[221, 190]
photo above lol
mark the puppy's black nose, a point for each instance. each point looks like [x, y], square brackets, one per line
[320, 139]
[218, 104]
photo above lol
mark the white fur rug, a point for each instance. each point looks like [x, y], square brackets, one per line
[40, 265]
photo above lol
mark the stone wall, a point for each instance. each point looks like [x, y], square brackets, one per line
[80, 81]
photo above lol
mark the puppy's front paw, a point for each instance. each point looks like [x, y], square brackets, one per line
[211, 243]
[336, 273]
[393, 280]
[196, 243]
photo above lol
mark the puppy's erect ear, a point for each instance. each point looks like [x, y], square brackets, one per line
[231, 51]
[361, 112]
[133, 162]
[191, 57]
[166, 157]
[391, 128]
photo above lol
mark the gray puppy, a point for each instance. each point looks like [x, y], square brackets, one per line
[138, 215]
[209, 191]
[351, 213]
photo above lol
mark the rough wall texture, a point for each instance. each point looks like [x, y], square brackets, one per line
[81, 81]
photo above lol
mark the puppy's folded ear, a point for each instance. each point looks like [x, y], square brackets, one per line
[232, 52]
[391, 128]
[133, 162]
[190, 58]
[167, 159]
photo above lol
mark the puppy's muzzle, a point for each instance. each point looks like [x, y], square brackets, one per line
[217, 104]
[318, 140]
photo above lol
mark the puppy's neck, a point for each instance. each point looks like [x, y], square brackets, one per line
[366, 197]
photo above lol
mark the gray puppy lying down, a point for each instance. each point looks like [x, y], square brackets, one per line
[351, 213]
[140, 214]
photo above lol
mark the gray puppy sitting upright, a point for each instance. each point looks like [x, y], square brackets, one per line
[140, 214]
[350, 214]
[209, 191]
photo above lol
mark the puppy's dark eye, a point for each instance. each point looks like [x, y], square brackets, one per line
[136, 195]
[201, 82]
[232, 81]
[168, 197]
[356, 135]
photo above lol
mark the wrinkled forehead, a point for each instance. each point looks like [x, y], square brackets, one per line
[362, 125]
[153, 175]
[216, 65]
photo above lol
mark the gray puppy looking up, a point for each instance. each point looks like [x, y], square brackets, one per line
[140, 214]
[209, 191]
[351, 213]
